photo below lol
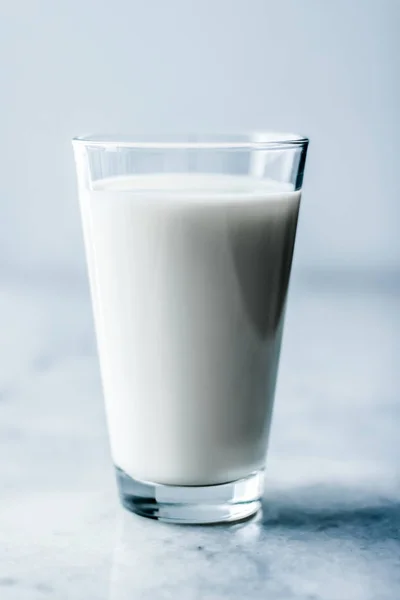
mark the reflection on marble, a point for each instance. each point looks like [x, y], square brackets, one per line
[330, 528]
[344, 553]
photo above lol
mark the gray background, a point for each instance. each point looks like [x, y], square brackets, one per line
[326, 69]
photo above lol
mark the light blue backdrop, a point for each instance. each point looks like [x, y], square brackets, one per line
[329, 69]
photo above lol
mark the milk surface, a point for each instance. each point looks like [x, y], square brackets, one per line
[189, 275]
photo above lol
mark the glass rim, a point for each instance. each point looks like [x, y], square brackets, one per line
[257, 140]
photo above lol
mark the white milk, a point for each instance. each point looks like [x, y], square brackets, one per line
[189, 288]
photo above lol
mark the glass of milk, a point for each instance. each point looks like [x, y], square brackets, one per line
[189, 243]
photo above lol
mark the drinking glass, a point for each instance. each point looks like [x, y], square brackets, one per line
[189, 243]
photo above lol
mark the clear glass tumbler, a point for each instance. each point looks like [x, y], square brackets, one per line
[189, 244]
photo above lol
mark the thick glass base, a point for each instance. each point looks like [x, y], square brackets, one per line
[226, 502]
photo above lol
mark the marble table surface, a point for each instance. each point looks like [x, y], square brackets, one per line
[330, 528]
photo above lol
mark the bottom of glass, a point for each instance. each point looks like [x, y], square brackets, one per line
[196, 505]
